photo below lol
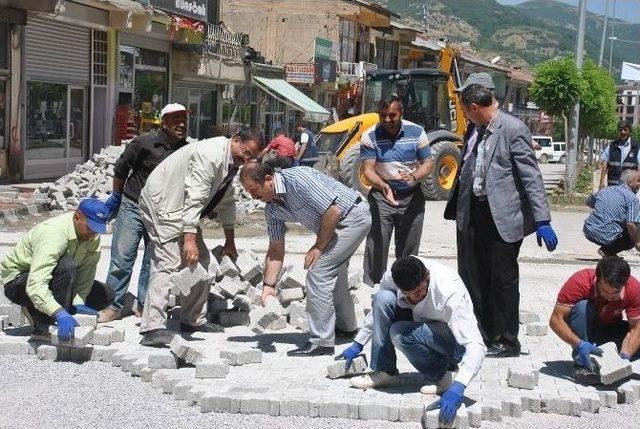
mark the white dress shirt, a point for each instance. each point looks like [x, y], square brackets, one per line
[447, 301]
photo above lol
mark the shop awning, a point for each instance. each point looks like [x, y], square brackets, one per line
[286, 93]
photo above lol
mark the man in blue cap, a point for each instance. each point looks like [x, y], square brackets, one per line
[51, 271]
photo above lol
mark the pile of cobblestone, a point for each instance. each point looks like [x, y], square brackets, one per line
[94, 178]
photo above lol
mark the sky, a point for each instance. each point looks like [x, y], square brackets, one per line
[625, 9]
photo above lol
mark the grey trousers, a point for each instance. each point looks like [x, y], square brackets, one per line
[329, 303]
[166, 258]
[406, 218]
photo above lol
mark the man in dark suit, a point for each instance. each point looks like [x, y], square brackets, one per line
[498, 199]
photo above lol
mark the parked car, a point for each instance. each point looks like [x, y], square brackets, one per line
[543, 145]
[559, 152]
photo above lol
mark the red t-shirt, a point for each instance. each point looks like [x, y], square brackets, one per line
[284, 146]
[582, 285]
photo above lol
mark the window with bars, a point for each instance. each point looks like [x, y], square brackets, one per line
[99, 58]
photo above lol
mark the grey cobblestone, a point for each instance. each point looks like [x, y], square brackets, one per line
[612, 367]
[243, 356]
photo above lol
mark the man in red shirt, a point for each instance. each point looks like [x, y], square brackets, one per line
[284, 148]
[589, 311]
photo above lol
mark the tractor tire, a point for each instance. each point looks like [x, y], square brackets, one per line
[349, 172]
[446, 160]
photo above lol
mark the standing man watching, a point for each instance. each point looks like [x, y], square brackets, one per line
[284, 148]
[613, 223]
[138, 160]
[589, 311]
[184, 188]
[620, 155]
[423, 310]
[499, 200]
[339, 218]
[51, 271]
[307, 148]
[396, 156]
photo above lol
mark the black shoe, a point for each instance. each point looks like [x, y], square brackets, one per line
[40, 332]
[499, 350]
[310, 349]
[205, 327]
[345, 334]
[157, 338]
[584, 376]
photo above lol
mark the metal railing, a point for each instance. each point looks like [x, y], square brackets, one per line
[223, 42]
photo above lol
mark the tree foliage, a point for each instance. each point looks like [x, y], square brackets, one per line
[557, 86]
[598, 103]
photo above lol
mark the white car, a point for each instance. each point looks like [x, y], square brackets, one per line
[543, 145]
[559, 152]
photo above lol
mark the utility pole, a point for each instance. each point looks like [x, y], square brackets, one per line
[604, 32]
[425, 16]
[613, 24]
[572, 144]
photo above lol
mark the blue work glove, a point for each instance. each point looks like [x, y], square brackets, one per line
[450, 401]
[66, 325]
[584, 351]
[113, 203]
[546, 233]
[350, 353]
[85, 309]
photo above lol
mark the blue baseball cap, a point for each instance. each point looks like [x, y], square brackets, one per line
[96, 213]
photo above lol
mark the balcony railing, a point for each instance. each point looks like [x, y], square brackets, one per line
[222, 42]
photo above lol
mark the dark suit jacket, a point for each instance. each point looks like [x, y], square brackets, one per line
[514, 185]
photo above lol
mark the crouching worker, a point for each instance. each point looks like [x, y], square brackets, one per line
[424, 310]
[589, 311]
[51, 272]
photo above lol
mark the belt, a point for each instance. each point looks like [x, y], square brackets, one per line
[355, 203]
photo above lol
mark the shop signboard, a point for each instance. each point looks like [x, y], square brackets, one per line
[196, 9]
[323, 49]
[300, 73]
[324, 59]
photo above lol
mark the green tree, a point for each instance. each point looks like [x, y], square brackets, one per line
[557, 86]
[598, 102]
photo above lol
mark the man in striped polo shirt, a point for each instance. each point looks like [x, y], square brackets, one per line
[339, 218]
[395, 156]
[613, 223]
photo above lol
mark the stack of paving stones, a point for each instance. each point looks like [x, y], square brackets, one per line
[94, 178]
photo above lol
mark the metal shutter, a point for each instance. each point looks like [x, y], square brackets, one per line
[145, 42]
[57, 51]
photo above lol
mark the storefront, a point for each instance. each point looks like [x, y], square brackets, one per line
[5, 74]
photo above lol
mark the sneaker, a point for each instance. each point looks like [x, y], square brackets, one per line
[584, 376]
[109, 315]
[157, 338]
[440, 387]
[374, 380]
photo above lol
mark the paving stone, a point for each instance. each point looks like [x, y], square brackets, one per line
[297, 316]
[79, 354]
[273, 305]
[379, 409]
[238, 357]
[126, 364]
[86, 320]
[255, 296]
[248, 264]
[188, 277]
[527, 317]
[608, 398]
[522, 378]
[219, 402]
[531, 402]
[4, 322]
[213, 270]
[288, 280]
[229, 318]
[186, 350]
[216, 294]
[538, 329]
[290, 294]
[147, 373]
[491, 410]
[296, 407]
[82, 337]
[232, 286]
[511, 406]
[474, 412]
[47, 352]
[338, 368]
[102, 353]
[138, 366]
[553, 403]
[590, 401]
[431, 419]
[411, 408]
[176, 377]
[340, 408]
[255, 403]
[162, 358]
[102, 336]
[218, 253]
[212, 368]
[228, 268]
[263, 318]
[611, 367]
[159, 377]
[629, 392]
[243, 303]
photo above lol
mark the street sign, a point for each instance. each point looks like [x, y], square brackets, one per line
[323, 49]
[196, 9]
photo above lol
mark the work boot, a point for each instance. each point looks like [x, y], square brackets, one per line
[375, 379]
[440, 387]
[205, 327]
[157, 338]
[40, 333]
[348, 335]
[109, 314]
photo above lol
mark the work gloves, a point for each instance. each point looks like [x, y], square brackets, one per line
[350, 353]
[66, 325]
[583, 354]
[85, 309]
[113, 204]
[450, 401]
[545, 233]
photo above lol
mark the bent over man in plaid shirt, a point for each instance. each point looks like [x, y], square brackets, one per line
[339, 218]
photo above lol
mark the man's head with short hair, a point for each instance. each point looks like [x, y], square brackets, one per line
[278, 132]
[624, 129]
[411, 277]
[391, 110]
[246, 145]
[612, 274]
[631, 178]
[478, 104]
[258, 179]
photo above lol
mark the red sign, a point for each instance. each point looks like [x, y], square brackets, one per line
[300, 73]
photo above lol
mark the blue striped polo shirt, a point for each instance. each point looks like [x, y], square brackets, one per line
[613, 207]
[303, 195]
[402, 154]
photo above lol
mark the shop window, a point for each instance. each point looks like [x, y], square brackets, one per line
[239, 108]
[46, 120]
[202, 104]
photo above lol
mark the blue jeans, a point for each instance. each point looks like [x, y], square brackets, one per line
[429, 346]
[582, 321]
[127, 233]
